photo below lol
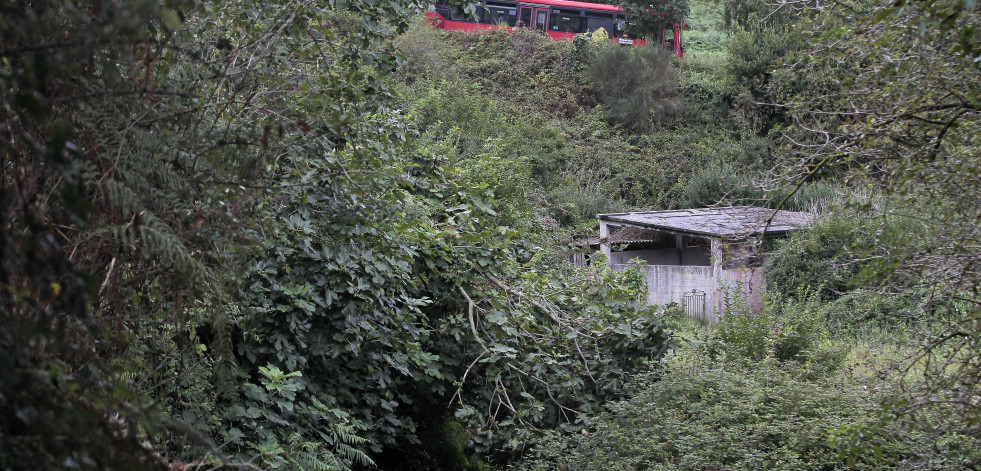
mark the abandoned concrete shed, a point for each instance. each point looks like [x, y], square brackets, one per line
[697, 257]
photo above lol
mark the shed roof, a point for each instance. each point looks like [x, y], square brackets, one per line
[734, 222]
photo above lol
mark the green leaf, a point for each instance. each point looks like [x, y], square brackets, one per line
[884, 13]
[170, 19]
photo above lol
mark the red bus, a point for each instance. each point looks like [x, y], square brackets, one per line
[560, 19]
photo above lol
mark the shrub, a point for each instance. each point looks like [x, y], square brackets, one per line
[637, 86]
[740, 416]
[715, 183]
[821, 255]
[814, 197]
[863, 308]
[787, 331]
[843, 249]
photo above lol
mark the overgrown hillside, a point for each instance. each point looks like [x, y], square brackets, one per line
[757, 112]
[324, 235]
[576, 128]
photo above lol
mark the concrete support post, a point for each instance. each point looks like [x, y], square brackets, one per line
[717, 256]
[679, 243]
[604, 244]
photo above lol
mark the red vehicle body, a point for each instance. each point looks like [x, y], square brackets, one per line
[560, 19]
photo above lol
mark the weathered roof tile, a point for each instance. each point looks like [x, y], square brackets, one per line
[734, 222]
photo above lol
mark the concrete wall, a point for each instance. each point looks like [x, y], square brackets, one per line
[651, 256]
[747, 283]
[698, 256]
[669, 283]
[692, 256]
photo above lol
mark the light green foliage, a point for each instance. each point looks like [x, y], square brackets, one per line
[525, 71]
[702, 413]
[498, 104]
[483, 137]
[704, 33]
[789, 331]
[705, 87]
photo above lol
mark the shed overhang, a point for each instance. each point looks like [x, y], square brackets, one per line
[730, 223]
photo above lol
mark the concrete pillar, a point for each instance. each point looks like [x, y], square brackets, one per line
[679, 243]
[717, 256]
[604, 244]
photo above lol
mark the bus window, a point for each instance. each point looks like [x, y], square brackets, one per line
[620, 28]
[443, 10]
[595, 21]
[501, 14]
[669, 38]
[525, 18]
[541, 19]
[566, 21]
[467, 18]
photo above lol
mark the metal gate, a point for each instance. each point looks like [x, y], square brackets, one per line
[693, 303]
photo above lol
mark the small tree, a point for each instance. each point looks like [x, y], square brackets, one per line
[638, 86]
[649, 19]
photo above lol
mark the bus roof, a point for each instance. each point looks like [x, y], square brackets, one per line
[571, 4]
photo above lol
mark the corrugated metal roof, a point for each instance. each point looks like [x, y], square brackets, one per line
[630, 235]
[626, 235]
[733, 222]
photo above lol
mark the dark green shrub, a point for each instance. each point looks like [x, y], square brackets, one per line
[862, 308]
[580, 201]
[842, 249]
[637, 86]
[822, 255]
[754, 57]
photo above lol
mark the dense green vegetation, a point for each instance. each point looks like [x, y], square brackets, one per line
[327, 236]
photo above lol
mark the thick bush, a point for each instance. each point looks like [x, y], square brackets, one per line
[822, 255]
[718, 182]
[638, 86]
[789, 331]
[752, 416]
[835, 259]
[868, 308]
